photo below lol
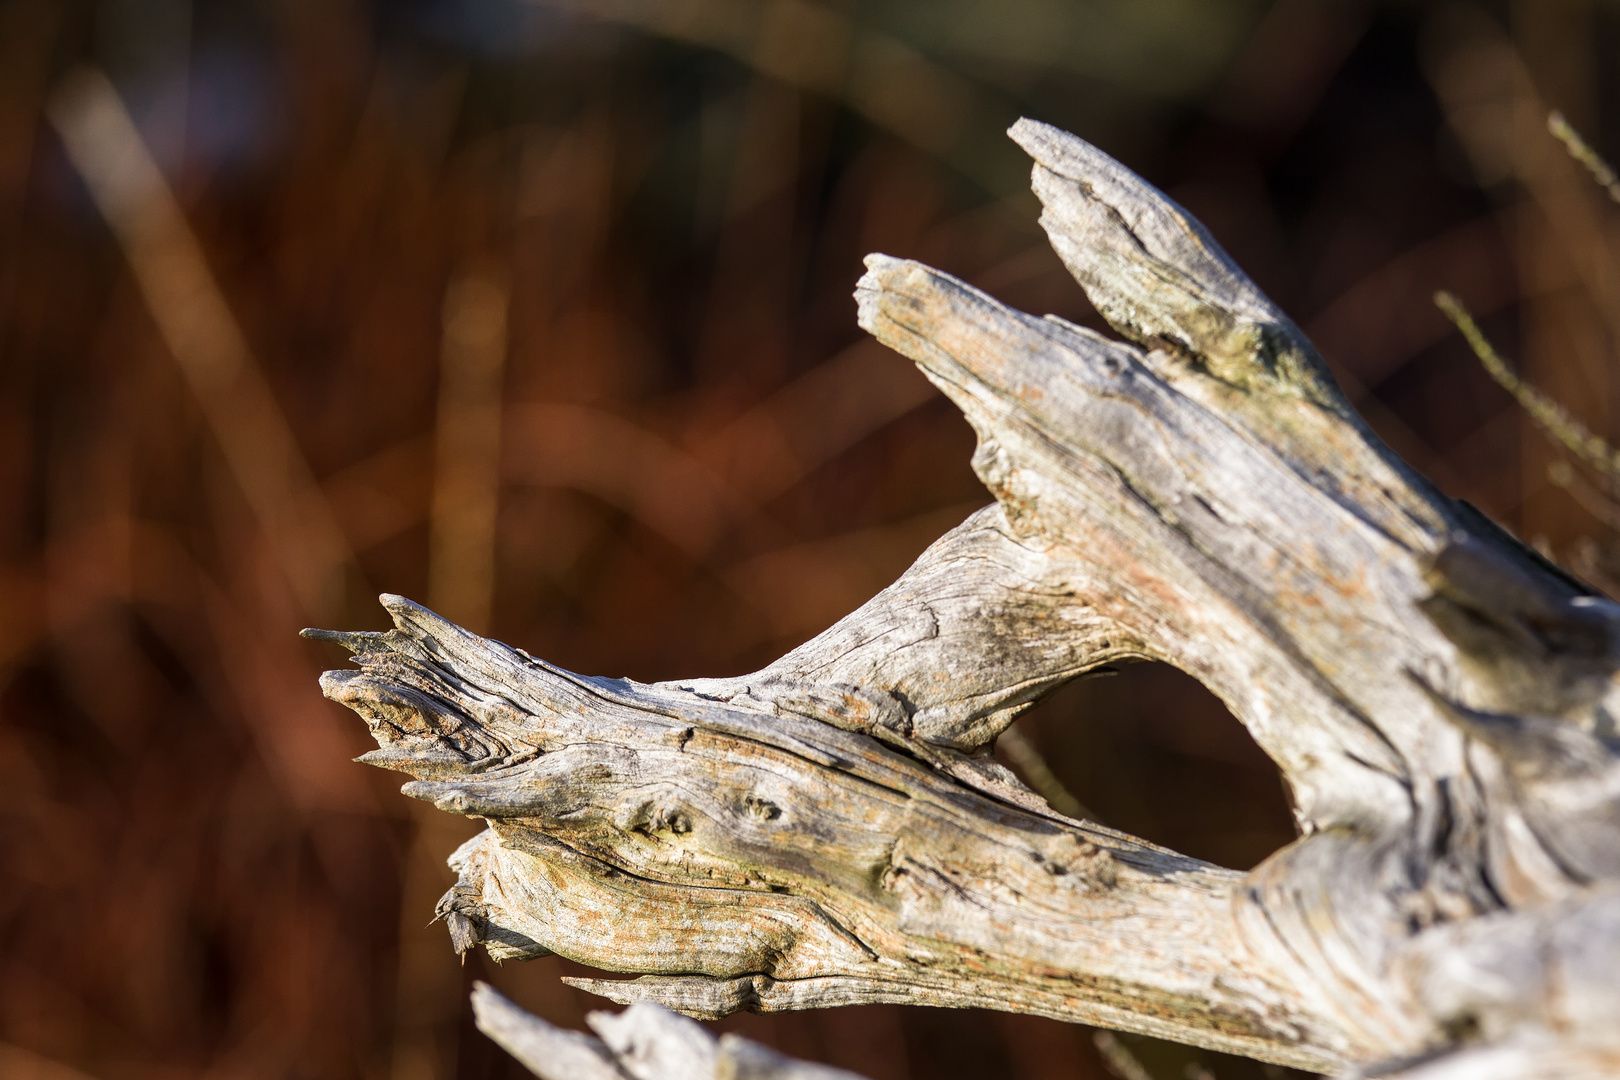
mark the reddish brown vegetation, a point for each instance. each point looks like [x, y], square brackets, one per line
[702, 461]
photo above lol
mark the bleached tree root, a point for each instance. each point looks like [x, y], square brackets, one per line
[832, 829]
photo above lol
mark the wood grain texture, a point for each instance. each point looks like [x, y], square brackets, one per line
[832, 829]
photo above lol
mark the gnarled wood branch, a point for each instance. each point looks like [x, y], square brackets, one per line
[832, 829]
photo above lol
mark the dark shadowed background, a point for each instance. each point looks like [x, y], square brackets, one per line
[539, 311]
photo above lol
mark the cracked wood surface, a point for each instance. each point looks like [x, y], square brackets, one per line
[832, 829]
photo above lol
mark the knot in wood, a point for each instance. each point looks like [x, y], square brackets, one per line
[1070, 854]
[652, 816]
[761, 808]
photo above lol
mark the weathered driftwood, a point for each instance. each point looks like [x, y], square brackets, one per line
[832, 829]
[645, 1042]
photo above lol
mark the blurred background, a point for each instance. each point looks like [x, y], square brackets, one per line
[539, 311]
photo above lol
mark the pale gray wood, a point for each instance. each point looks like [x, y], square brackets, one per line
[645, 1042]
[983, 625]
[549, 1052]
[832, 829]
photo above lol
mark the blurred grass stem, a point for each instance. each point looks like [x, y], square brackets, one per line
[1119, 1060]
[467, 448]
[196, 323]
[1551, 417]
[1595, 502]
[1038, 774]
[1582, 152]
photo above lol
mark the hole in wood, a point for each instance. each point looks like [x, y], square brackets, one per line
[1152, 752]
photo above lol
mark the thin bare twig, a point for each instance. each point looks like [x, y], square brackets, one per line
[1581, 151]
[1120, 1061]
[1596, 502]
[1551, 417]
[1038, 774]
